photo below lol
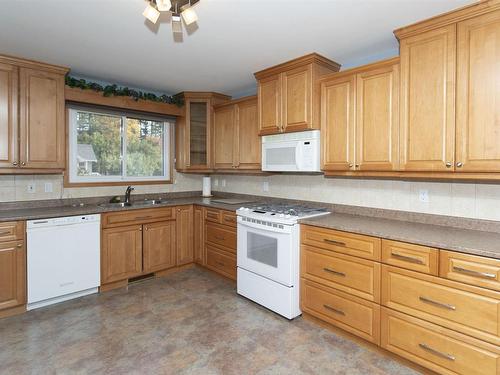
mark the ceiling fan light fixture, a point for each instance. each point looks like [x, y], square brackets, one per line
[151, 13]
[164, 5]
[176, 24]
[189, 15]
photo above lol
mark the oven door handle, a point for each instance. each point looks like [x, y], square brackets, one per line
[284, 230]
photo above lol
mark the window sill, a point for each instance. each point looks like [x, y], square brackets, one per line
[68, 184]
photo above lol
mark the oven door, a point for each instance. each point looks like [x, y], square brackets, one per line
[267, 251]
[281, 156]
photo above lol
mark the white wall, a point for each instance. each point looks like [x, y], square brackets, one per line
[480, 201]
[15, 188]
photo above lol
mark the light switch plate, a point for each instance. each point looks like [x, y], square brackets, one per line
[265, 186]
[48, 187]
[31, 188]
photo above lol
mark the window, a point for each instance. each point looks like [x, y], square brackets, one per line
[106, 146]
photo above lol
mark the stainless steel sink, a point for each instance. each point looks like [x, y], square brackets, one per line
[147, 202]
[112, 205]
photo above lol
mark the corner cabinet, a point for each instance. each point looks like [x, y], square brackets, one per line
[194, 131]
[359, 118]
[237, 144]
[32, 120]
[289, 96]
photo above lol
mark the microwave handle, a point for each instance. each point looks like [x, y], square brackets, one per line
[298, 155]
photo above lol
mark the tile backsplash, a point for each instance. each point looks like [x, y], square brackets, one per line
[16, 188]
[480, 201]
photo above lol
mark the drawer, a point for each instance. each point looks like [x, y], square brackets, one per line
[355, 315]
[341, 242]
[228, 218]
[11, 231]
[413, 257]
[213, 215]
[437, 348]
[466, 309]
[224, 264]
[222, 236]
[470, 269]
[356, 276]
[114, 219]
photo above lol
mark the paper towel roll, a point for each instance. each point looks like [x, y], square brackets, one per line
[207, 187]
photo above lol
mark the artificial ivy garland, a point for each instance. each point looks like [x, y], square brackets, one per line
[114, 90]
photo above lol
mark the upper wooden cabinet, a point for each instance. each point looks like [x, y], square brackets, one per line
[194, 131]
[478, 94]
[32, 118]
[237, 144]
[288, 94]
[360, 124]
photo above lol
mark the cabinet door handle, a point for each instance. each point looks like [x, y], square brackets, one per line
[460, 164]
[333, 309]
[329, 270]
[15, 163]
[427, 348]
[448, 164]
[406, 258]
[485, 275]
[437, 304]
[23, 164]
[19, 245]
[333, 242]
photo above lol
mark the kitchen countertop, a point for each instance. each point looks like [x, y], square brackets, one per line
[468, 241]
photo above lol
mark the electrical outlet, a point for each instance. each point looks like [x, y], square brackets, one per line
[423, 196]
[265, 186]
[48, 187]
[223, 183]
[31, 188]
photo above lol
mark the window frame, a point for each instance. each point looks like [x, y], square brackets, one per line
[73, 180]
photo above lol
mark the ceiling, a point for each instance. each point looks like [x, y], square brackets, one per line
[110, 41]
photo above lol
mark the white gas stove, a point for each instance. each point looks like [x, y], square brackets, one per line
[268, 255]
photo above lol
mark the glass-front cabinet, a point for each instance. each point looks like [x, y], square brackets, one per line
[195, 131]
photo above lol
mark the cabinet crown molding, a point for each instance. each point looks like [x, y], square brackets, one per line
[32, 64]
[360, 69]
[448, 18]
[236, 101]
[298, 62]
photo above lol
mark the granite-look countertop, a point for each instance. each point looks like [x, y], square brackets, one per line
[88, 209]
[448, 238]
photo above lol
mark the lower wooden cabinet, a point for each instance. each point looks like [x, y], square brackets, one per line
[184, 222]
[121, 253]
[198, 235]
[159, 246]
[12, 274]
[439, 349]
[221, 262]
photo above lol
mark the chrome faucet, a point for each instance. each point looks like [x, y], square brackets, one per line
[127, 195]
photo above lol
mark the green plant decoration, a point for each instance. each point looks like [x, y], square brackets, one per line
[114, 90]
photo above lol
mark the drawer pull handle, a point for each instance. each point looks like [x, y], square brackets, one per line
[329, 270]
[230, 219]
[406, 258]
[220, 263]
[219, 238]
[438, 304]
[333, 242]
[19, 245]
[336, 311]
[143, 217]
[486, 275]
[4, 232]
[436, 352]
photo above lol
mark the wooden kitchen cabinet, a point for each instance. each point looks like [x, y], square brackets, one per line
[121, 253]
[32, 123]
[194, 132]
[359, 122]
[236, 136]
[184, 223]
[288, 95]
[159, 246]
[428, 68]
[12, 274]
[199, 235]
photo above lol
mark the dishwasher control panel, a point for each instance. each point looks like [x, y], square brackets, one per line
[68, 220]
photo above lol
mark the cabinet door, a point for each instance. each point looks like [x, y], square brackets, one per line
[199, 236]
[248, 155]
[42, 119]
[158, 246]
[8, 116]
[197, 134]
[269, 98]
[478, 94]
[337, 123]
[297, 99]
[12, 274]
[225, 137]
[428, 100]
[184, 223]
[377, 119]
[121, 253]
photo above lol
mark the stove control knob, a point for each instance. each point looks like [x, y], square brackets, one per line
[242, 208]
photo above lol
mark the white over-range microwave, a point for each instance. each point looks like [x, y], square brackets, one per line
[291, 152]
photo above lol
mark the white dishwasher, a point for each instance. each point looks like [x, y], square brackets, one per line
[63, 259]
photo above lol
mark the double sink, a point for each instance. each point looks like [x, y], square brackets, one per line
[144, 203]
